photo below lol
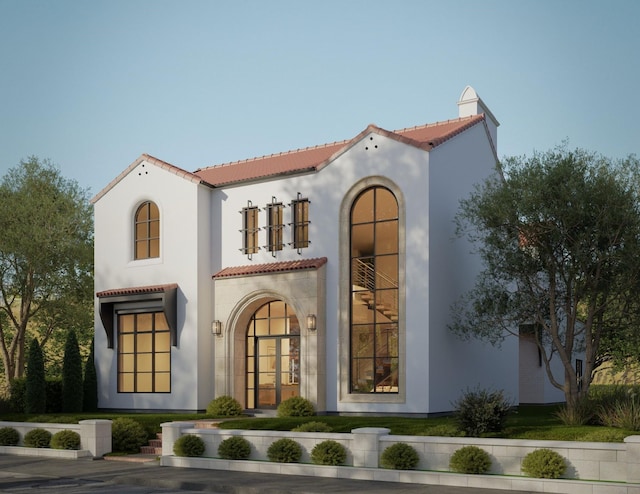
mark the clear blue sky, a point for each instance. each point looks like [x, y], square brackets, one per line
[91, 85]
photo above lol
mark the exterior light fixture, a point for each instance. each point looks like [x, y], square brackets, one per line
[311, 322]
[216, 328]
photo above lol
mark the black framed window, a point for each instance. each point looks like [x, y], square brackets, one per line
[374, 337]
[144, 353]
[147, 231]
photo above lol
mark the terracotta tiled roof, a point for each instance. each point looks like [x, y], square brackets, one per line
[271, 267]
[138, 290]
[313, 158]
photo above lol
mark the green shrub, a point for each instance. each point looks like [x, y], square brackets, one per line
[65, 439]
[582, 413]
[470, 459]
[234, 448]
[189, 445]
[90, 383]
[481, 411]
[399, 456]
[313, 427]
[128, 436]
[544, 464]
[53, 387]
[224, 406]
[284, 450]
[296, 406]
[35, 388]
[9, 436]
[328, 453]
[72, 375]
[37, 438]
[624, 413]
[17, 394]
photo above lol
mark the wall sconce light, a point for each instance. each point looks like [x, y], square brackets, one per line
[216, 328]
[311, 322]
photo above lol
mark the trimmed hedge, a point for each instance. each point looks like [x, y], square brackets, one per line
[9, 436]
[284, 450]
[399, 456]
[65, 439]
[234, 448]
[189, 445]
[37, 438]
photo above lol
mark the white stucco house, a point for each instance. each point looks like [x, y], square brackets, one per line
[326, 272]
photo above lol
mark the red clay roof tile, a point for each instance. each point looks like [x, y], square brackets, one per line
[313, 158]
[271, 267]
[137, 290]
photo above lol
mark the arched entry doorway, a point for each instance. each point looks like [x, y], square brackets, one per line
[273, 355]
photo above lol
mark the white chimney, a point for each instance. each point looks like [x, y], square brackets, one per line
[471, 104]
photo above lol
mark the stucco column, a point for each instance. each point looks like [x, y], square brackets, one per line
[95, 436]
[633, 458]
[171, 431]
[365, 446]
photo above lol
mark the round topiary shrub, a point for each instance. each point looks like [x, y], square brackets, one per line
[234, 448]
[481, 411]
[128, 436]
[284, 450]
[37, 438]
[470, 459]
[328, 453]
[399, 456]
[224, 406]
[313, 427]
[65, 439]
[9, 436]
[189, 445]
[296, 406]
[544, 464]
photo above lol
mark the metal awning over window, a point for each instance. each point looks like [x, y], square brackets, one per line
[161, 297]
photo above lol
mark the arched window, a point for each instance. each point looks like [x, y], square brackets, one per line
[374, 276]
[147, 231]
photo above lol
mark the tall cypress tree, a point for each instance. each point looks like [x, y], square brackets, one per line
[35, 400]
[72, 375]
[90, 383]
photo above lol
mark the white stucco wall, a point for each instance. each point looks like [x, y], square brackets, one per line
[455, 365]
[185, 231]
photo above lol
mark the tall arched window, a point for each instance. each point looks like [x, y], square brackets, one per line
[147, 231]
[374, 336]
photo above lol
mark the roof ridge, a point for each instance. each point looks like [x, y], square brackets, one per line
[435, 124]
[273, 155]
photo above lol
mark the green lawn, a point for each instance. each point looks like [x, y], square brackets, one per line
[533, 422]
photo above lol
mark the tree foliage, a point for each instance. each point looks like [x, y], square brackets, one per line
[46, 259]
[72, 385]
[35, 400]
[558, 234]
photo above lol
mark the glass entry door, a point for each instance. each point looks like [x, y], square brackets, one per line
[273, 356]
[278, 370]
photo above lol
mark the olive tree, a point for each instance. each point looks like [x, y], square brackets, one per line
[46, 258]
[559, 237]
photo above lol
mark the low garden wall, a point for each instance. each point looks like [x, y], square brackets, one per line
[95, 438]
[592, 467]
